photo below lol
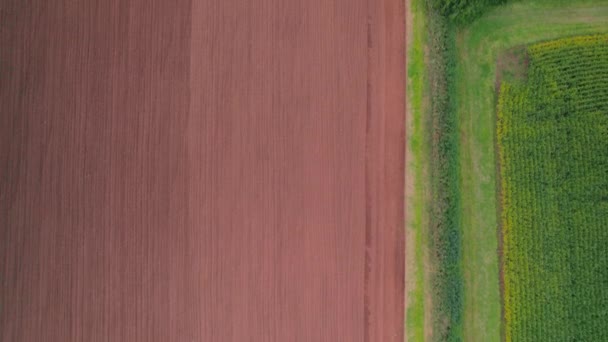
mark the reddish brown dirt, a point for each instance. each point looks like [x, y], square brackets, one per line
[201, 170]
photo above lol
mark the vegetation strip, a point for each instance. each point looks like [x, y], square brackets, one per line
[417, 310]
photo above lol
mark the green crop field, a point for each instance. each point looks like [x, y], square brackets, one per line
[479, 47]
[452, 92]
[552, 133]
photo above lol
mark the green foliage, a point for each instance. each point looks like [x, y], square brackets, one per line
[463, 11]
[552, 133]
[444, 178]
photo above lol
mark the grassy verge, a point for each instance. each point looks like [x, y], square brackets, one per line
[435, 291]
[478, 46]
[417, 195]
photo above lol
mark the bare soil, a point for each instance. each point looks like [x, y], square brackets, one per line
[202, 170]
[511, 66]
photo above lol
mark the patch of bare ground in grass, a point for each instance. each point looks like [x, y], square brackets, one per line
[511, 66]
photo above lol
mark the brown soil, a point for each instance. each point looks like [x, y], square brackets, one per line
[201, 170]
[511, 65]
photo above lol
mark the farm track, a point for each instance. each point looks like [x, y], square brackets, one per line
[202, 170]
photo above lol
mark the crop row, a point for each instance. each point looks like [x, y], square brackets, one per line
[552, 133]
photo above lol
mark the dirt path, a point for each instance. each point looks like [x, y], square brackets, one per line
[201, 170]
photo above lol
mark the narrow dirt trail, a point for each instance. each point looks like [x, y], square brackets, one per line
[202, 170]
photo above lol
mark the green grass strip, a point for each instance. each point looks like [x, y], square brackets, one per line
[417, 201]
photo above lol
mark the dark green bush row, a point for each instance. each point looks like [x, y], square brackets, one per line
[463, 11]
[445, 206]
